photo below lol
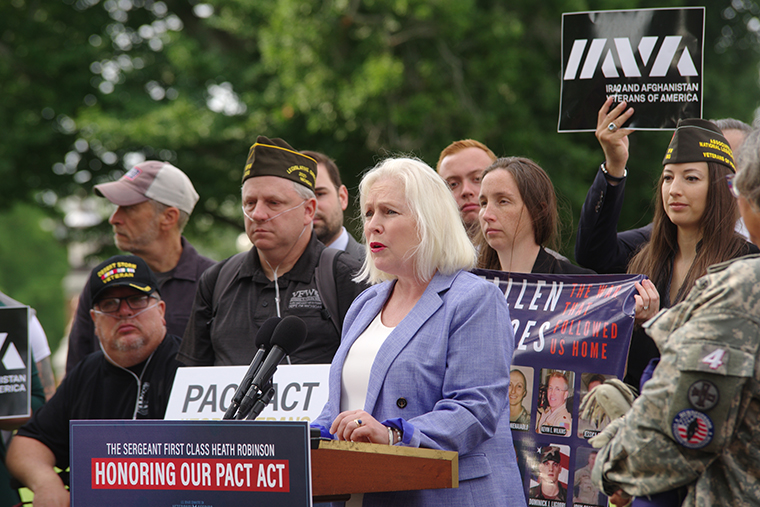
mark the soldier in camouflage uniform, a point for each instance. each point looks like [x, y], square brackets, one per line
[696, 421]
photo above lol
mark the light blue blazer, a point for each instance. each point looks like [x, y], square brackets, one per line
[442, 375]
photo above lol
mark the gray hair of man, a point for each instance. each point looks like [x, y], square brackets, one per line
[184, 217]
[303, 191]
[443, 242]
[747, 179]
[732, 124]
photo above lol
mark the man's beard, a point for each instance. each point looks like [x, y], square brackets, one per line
[328, 231]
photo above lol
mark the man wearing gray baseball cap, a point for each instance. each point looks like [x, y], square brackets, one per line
[154, 201]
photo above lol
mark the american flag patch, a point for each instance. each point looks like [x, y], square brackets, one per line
[692, 429]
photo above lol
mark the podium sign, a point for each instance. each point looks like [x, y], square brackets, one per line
[177, 463]
[205, 392]
[15, 363]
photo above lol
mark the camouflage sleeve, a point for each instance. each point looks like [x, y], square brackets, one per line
[689, 410]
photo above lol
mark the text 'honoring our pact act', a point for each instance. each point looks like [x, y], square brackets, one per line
[191, 474]
[193, 466]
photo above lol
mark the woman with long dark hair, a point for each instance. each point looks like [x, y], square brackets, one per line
[518, 218]
[694, 218]
[710, 346]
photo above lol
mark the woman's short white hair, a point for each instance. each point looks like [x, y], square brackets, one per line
[443, 242]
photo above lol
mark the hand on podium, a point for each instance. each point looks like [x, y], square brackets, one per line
[359, 426]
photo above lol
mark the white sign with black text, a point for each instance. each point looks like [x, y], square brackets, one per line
[205, 392]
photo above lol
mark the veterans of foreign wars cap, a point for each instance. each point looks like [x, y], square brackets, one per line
[159, 181]
[550, 453]
[697, 140]
[122, 270]
[275, 157]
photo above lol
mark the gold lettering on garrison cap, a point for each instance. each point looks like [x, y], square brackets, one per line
[122, 270]
[275, 157]
[117, 270]
[697, 140]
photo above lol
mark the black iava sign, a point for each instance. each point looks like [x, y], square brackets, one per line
[15, 362]
[652, 59]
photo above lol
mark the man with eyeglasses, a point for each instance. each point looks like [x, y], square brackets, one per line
[278, 276]
[129, 378]
[154, 202]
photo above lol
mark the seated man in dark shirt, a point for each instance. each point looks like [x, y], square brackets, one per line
[130, 378]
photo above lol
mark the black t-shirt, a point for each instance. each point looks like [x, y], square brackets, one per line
[96, 389]
[177, 291]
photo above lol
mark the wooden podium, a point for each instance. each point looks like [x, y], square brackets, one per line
[340, 468]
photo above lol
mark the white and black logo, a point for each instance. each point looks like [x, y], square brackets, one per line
[15, 362]
[669, 50]
[648, 58]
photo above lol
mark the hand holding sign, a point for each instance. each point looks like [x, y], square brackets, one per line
[614, 141]
[647, 301]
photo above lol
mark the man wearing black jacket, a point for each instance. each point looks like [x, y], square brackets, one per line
[129, 378]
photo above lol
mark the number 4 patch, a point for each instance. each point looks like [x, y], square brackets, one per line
[715, 359]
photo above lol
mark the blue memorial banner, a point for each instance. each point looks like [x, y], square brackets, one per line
[649, 58]
[571, 331]
[183, 463]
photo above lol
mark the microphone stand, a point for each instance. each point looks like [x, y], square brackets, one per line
[262, 402]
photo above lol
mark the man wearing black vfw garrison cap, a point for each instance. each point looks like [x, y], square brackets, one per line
[277, 276]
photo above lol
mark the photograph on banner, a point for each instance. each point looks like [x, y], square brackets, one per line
[520, 397]
[588, 429]
[652, 59]
[15, 363]
[555, 403]
[570, 331]
[549, 476]
[585, 494]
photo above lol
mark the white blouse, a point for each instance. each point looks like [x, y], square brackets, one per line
[358, 364]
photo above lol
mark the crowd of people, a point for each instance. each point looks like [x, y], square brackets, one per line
[420, 348]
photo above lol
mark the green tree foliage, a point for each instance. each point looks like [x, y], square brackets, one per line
[356, 79]
[34, 266]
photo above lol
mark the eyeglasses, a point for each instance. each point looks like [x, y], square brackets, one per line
[731, 187]
[136, 302]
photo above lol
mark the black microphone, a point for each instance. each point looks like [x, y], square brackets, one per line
[263, 338]
[289, 334]
[262, 402]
